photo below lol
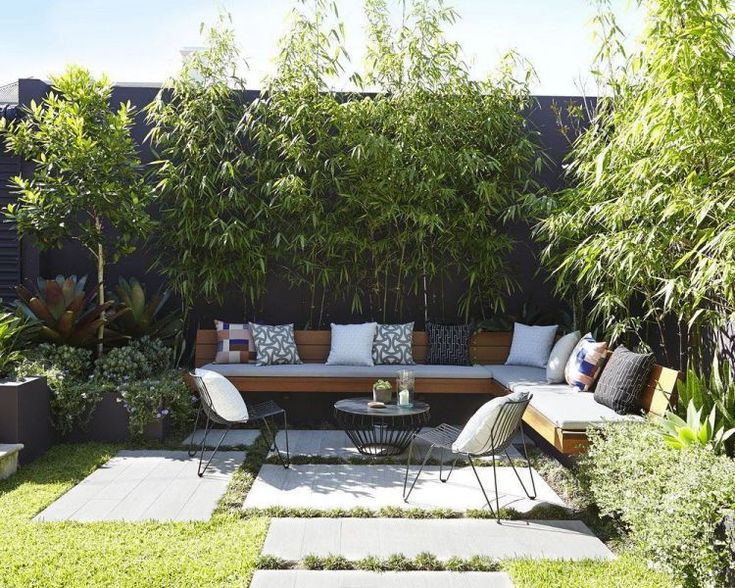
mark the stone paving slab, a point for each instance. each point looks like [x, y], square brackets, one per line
[363, 579]
[336, 443]
[377, 486]
[233, 438]
[356, 538]
[147, 485]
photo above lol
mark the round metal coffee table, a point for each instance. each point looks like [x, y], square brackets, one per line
[380, 432]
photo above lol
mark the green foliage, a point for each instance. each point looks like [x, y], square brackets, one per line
[679, 433]
[86, 180]
[13, 330]
[144, 315]
[66, 313]
[645, 232]
[669, 500]
[142, 359]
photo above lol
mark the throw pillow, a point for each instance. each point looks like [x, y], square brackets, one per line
[393, 345]
[560, 353]
[352, 344]
[234, 343]
[275, 344]
[623, 380]
[585, 363]
[225, 398]
[531, 345]
[475, 436]
[448, 344]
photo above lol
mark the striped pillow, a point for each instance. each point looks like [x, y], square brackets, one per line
[585, 363]
[234, 343]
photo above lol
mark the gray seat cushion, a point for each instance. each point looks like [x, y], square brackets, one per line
[511, 376]
[320, 370]
[568, 408]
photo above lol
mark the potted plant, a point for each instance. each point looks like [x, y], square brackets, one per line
[382, 391]
[25, 403]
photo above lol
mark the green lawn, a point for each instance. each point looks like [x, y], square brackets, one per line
[221, 552]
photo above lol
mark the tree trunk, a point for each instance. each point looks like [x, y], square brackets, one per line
[101, 297]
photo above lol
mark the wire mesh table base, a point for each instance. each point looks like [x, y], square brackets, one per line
[380, 432]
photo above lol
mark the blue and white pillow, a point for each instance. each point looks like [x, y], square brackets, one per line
[275, 344]
[531, 345]
[393, 345]
[352, 344]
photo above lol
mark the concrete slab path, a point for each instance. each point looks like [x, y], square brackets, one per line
[234, 437]
[147, 485]
[354, 538]
[361, 579]
[378, 486]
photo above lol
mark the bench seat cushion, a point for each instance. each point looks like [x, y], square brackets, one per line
[570, 409]
[320, 370]
[511, 376]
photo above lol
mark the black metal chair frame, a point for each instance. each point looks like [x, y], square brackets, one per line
[262, 411]
[443, 436]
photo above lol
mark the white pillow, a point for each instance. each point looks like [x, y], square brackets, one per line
[475, 437]
[559, 357]
[226, 399]
[531, 345]
[352, 344]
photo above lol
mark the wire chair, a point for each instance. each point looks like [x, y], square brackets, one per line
[263, 411]
[507, 422]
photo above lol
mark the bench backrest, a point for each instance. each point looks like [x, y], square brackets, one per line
[486, 348]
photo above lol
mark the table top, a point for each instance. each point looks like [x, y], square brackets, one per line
[360, 406]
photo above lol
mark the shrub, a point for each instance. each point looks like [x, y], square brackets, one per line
[139, 360]
[669, 500]
[12, 331]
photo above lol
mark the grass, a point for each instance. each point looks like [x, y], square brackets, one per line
[221, 552]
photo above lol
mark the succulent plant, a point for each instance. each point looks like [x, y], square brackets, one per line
[145, 316]
[66, 314]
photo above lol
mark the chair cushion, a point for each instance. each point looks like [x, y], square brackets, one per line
[393, 345]
[623, 380]
[560, 356]
[448, 344]
[352, 344]
[531, 345]
[511, 376]
[475, 436]
[320, 370]
[275, 344]
[585, 363]
[234, 343]
[568, 408]
[226, 399]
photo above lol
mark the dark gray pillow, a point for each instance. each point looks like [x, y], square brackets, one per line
[623, 380]
[393, 345]
[274, 345]
[448, 344]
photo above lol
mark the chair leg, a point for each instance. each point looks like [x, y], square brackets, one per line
[528, 465]
[191, 451]
[421, 469]
[200, 471]
[273, 444]
[479, 481]
[441, 467]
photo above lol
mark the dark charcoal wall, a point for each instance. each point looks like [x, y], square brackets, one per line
[283, 304]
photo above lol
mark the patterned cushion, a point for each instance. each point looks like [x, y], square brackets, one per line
[234, 343]
[393, 345]
[623, 380]
[352, 344]
[448, 344]
[275, 345]
[585, 363]
[531, 345]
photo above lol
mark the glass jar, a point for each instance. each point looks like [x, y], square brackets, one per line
[405, 388]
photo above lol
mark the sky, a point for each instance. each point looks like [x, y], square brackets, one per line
[140, 40]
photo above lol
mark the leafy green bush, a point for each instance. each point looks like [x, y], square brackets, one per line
[669, 500]
[140, 359]
[12, 330]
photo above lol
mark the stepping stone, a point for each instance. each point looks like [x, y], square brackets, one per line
[233, 438]
[356, 538]
[147, 485]
[336, 444]
[361, 579]
[377, 486]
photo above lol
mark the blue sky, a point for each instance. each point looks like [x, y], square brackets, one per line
[139, 40]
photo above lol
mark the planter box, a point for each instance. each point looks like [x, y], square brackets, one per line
[109, 424]
[25, 416]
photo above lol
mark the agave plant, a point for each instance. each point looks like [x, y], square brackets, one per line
[679, 433]
[145, 315]
[65, 312]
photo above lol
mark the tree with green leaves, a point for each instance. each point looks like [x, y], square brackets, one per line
[645, 231]
[87, 183]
